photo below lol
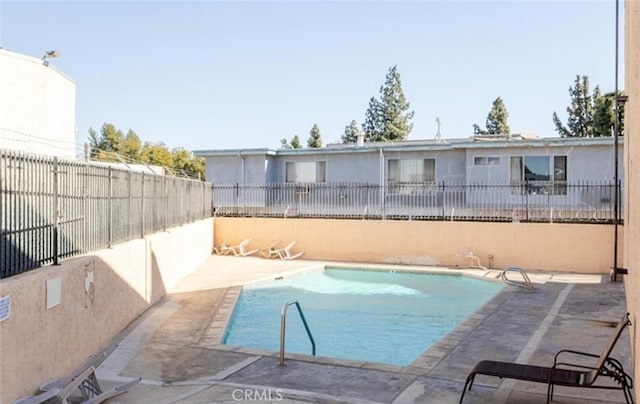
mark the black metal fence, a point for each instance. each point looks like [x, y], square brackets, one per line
[591, 202]
[51, 209]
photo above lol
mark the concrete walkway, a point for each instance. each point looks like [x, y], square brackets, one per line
[175, 346]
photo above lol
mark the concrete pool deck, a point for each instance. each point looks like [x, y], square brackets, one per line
[175, 346]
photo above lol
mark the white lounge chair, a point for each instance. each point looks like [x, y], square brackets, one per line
[82, 378]
[240, 250]
[474, 260]
[223, 249]
[271, 251]
[285, 252]
[61, 390]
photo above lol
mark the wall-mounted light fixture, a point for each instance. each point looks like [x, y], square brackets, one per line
[50, 54]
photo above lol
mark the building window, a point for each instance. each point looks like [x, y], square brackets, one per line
[290, 172]
[405, 176]
[486, 161]
[306, 171]
[541, 175]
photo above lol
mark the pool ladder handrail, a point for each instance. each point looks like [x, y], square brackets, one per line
[526, 281]
[283, 321]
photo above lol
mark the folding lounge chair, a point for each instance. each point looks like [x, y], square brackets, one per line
[223, 249]
[271, 251]
[61, 392]
[82, 378]
[240, 250]
[88, 385]
[285, 252]
[564, 373]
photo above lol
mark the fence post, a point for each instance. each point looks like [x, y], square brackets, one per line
[383, 210]
[237, 187]
[203, 211]
[85, 196]
[549, 206]
[526, 200]
[444, 200]
[56, 213]
[142, 208]
[213, 194]
[165, 197]
[130, 200]
[110, 210]
[366, 205]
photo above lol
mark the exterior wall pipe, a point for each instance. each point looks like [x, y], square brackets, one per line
[381, 181]
[616, 129]
[241, 157]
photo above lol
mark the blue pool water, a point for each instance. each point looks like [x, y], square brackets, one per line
[385, 317]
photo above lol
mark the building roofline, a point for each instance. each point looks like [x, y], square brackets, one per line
[417, 145]
[235, 152]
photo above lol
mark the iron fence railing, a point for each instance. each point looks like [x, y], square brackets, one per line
[591, 202]
[51, 209]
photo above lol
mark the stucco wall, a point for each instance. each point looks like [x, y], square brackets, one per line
[553, 247]
[632, 178]
[38, 344]
[37, 106]
[255, 169]
[352, 167]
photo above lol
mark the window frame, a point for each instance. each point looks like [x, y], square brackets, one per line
[399, 169]
[484, 161]
[556, 171]
[292, 170]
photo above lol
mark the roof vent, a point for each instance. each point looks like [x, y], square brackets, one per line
[360, 139]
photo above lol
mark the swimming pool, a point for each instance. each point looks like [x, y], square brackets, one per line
[373, 316]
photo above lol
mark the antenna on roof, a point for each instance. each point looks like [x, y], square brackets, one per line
[438, 137]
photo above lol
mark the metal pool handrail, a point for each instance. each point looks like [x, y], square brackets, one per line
[526, 281]
[283, 321]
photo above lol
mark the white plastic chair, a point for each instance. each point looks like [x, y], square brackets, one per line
[285, 252]
[240, 250]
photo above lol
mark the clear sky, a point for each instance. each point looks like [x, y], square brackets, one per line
[219, 75]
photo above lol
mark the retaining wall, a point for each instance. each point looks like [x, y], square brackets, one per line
[579, 248]
[62, 314]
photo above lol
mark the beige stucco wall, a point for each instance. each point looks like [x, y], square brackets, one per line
[632, 172]
[556, 247]
[38, 344]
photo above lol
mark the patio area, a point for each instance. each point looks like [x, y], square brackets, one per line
[175, 346]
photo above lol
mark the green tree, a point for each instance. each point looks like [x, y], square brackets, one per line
[315, 140]
[111, 145]
[580, 112]
[295, 142]
[496, 123]
[389, 119]
[186, 164]
[350, 134]
[605, 114]
[130, 146]
[284, 143]
[94, 139]
[156, 154]
[373, 125]
[105, 145]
